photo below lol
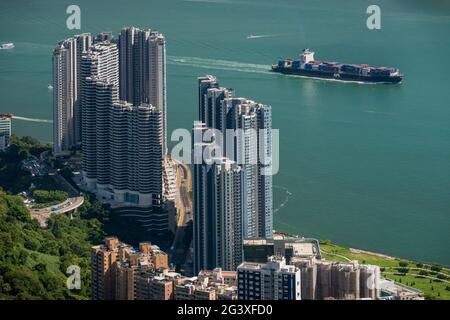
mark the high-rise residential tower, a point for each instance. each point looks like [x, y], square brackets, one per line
[142, 55]
[253, 150]
[218, 190]
[103, 266]
[110, 96]
[66, 92]
[122, 143]
[100, 79]
[246, 139]
[123, 148]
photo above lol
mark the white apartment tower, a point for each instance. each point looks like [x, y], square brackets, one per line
[142, 55]
[66, 92]
[110, 96]
[122, 143]
[100, 78]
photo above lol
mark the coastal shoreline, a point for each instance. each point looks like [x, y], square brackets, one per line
[361, 251]
[381, 255]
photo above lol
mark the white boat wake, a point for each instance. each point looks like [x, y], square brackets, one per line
[261, 36]
[288, 194]
[32, 119]
[218, 64]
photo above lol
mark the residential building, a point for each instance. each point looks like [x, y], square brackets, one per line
[122, 272]
[184, 291]
[118, 271]
[246, 139]
[370, 276]
[153, 287]
[217, 202]
[5, 130]
[100, 76]
[273, 280]
[66, 92]
[337, 280]
[123, 142]
[128, 153]
[142, 55]
[259, 249]
[237, 132]
[103, 264]
[308, 274]
[208, 285]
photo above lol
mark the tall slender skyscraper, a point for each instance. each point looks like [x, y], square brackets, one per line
[122, 143]
[142, 55]
[250, 145]
[253, 151]
[100, 78]
[84, 43]
[111, 97]
[218, 229]
[205, 83]
[127, 39]
[66, 92]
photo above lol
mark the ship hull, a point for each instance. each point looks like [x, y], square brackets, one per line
[339, 76]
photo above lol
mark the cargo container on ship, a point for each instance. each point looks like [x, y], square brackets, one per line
[306, 66]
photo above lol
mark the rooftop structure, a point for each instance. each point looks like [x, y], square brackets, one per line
[259, 249]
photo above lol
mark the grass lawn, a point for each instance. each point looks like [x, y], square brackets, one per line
[431, 287]
[334, 252]
[432, 290]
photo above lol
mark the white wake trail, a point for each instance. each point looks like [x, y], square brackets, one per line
[33, 119]
[218, 64]
[258, 36]
[288, 194]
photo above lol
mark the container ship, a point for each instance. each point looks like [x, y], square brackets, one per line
[306, 66]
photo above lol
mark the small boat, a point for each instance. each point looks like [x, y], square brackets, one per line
[7, 46]
[50, 87]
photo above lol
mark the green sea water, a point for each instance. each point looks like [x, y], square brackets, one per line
[363, 165]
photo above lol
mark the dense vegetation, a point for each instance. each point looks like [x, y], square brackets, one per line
[46, 198]
[33, 261]
[43, 196]
[12, 177]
